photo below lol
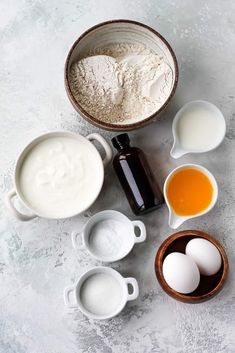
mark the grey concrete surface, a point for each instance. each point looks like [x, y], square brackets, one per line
[37, 259]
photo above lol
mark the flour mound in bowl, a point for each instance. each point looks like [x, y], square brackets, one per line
[121, 82]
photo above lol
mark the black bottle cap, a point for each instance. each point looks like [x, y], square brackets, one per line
[120, 141]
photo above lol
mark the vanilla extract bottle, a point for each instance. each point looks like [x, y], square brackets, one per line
[135, 176]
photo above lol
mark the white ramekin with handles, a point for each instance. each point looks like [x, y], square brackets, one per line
[16, 191]
[175, 220]
[121, 244]
[75, 291]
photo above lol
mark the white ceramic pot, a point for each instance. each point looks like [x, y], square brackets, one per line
[87, 147]
[109, 236]
[75, 291]
[175, 220]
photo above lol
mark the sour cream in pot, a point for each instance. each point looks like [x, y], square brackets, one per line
[60, 176]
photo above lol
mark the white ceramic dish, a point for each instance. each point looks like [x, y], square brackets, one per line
[75, 290]
[178, 150]
[175, 220]
[115, 32]
[100, 164]
[109, 236]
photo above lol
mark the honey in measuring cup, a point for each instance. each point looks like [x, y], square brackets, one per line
[189, 192]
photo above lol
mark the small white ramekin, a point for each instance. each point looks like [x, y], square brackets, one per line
[122, 249]
[123, 282]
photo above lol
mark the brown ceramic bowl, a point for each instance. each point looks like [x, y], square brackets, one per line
[113, 32]
[209, 286]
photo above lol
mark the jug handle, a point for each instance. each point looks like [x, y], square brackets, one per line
[104, 144]
[9, 203]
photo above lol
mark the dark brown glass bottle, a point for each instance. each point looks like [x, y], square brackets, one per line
[134, 174]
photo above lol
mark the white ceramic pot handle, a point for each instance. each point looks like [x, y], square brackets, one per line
[22, 217]
[67, 296]
[104, 144]
[132, 281]
[77, 244]
[142, 228]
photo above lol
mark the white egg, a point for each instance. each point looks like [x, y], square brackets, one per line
[180, 272]
[205, 254]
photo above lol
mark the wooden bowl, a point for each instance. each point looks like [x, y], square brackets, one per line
[114, 32]
[209, 286]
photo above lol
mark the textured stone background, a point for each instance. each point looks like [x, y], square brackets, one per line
[36, 259]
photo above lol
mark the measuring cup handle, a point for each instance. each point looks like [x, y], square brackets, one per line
[10, 205]
[67, 298]
[75, 242]
[142, 228]
[104, 144]
[132, 281]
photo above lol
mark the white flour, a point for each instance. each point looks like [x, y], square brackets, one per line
[121, 82]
